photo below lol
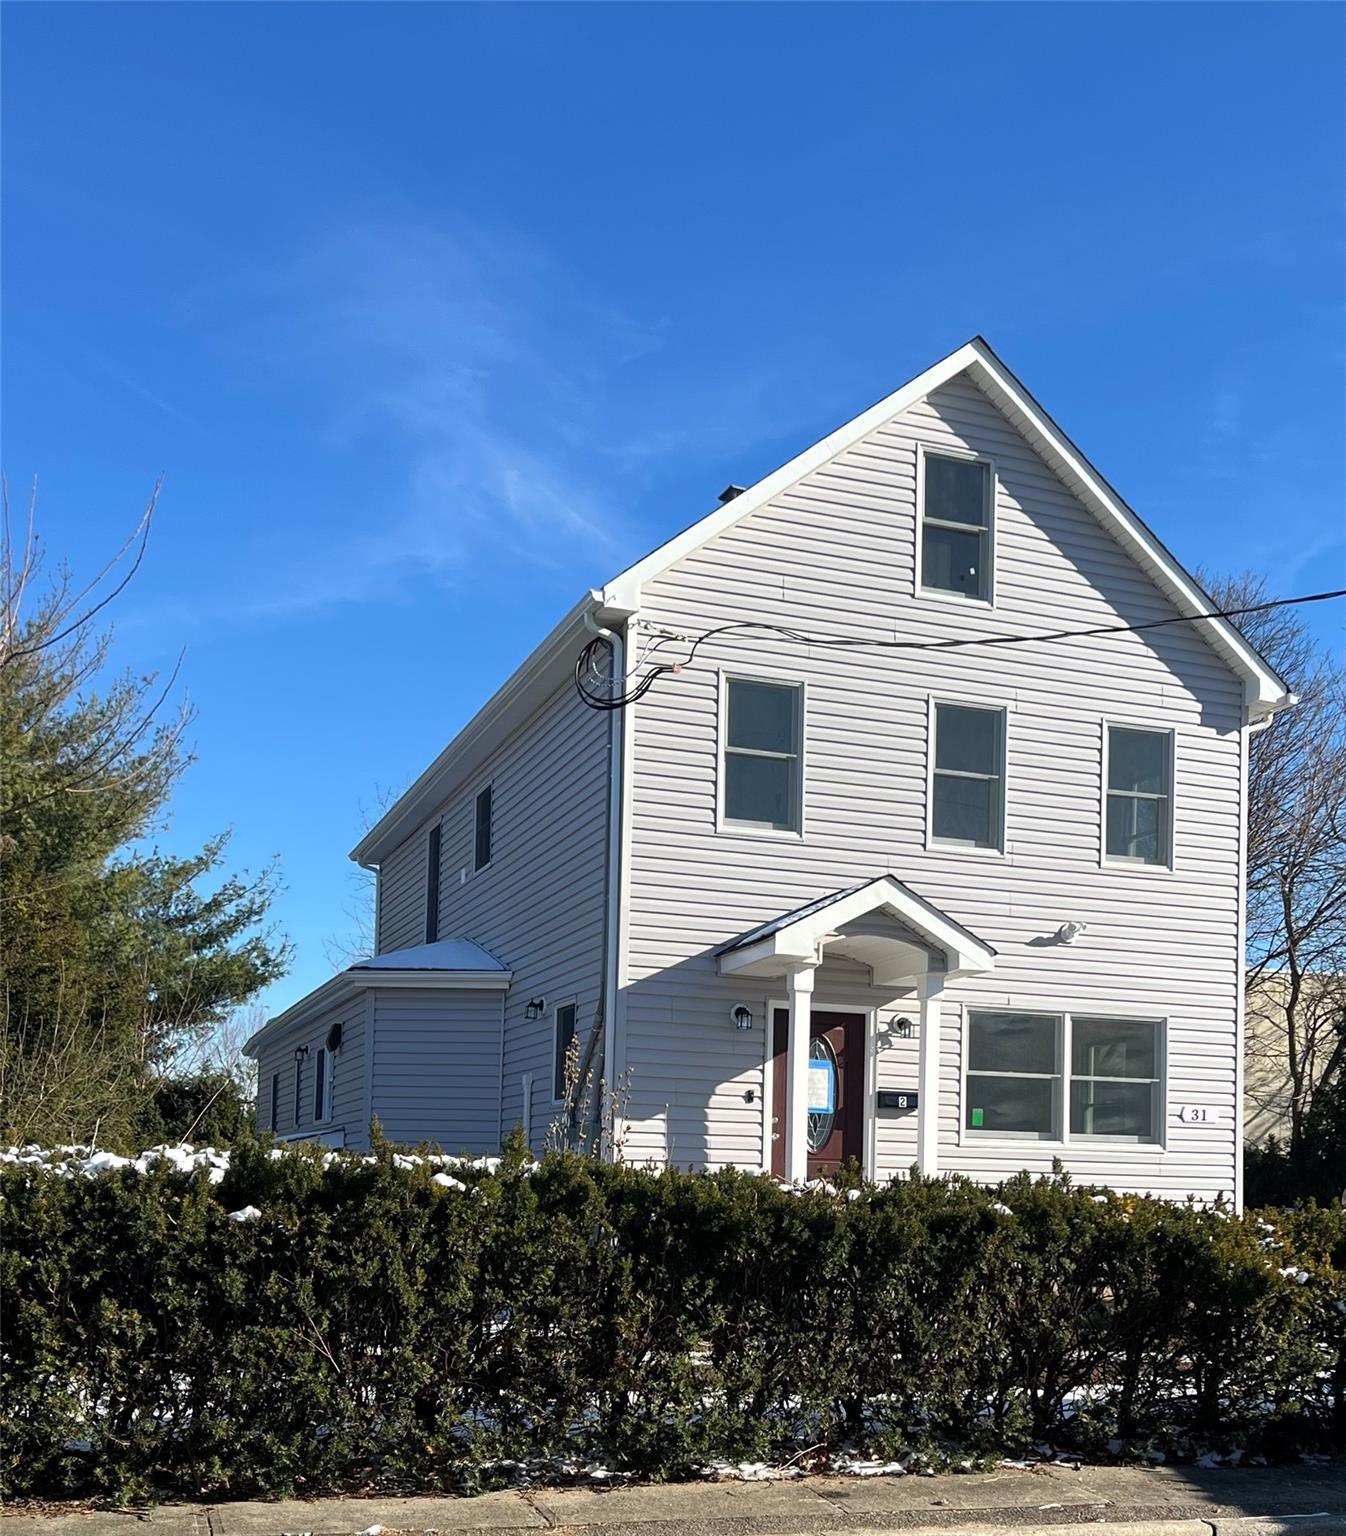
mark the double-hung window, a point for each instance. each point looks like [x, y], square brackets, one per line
[275, 1101]
[967, 799]
[763, 747]
[483, 828]
[1138, 815]
[1031, 1074]
[1114, 1078]
[562, 1050]
[956, 502]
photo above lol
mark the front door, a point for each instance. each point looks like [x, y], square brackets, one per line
[837, 1084]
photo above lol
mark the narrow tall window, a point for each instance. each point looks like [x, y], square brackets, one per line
[956, 525]
[481, 855]
[1114, 1081]
[321, 1086]
[1139, 821]
[967, 799]
[1013, 1074]
[432, 887]
[565, 1035]
[298, 1085]
[275, 1101]
[762, 781]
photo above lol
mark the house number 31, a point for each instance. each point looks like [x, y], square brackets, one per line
[1199, 1114]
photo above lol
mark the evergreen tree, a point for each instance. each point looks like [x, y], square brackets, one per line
[115, 957]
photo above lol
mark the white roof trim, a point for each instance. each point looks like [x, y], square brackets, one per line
[344, 985]
[1264, 691]
[801, 940]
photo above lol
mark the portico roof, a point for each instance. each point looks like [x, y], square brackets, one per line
[924, 940]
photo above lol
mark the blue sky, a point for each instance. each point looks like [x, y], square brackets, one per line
[434, 316]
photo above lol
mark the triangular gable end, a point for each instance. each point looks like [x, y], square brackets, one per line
[1264, 691]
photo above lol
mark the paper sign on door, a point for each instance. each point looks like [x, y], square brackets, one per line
[822, 1088]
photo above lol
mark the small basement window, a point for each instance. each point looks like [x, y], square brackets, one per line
[1139, 792]
[967, 800]
[565, 1036]
[762, 782]
[956, 500]
[481, 854]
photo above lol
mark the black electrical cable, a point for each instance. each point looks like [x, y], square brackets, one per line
[597, 700]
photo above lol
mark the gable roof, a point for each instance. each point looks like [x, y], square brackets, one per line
[546, 667]
[1264, 690]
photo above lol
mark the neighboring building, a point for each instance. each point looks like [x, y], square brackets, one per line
[969, 909]
[1267, 1088]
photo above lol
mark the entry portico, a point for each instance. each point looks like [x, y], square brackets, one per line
[909, 946]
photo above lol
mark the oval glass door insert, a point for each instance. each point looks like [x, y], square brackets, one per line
[822, 1092]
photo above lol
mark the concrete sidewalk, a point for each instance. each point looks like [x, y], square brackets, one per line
[1128, 1501]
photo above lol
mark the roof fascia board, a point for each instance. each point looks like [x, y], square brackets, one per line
[338, 988]
[1264, 691]
[507, 708]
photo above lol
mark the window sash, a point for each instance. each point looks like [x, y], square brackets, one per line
[432, 885]
[793, 818]
[928, 575]
[483, 829]
[275, 1101]
[995, 810]
[1118, 840]
[320, 1105]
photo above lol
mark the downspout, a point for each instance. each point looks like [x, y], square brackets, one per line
[612, 874]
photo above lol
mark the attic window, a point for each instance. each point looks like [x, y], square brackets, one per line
[483, 829]
[956, 501]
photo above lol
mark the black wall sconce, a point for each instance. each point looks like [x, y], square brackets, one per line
[535, 1008]
[741, 1017]
[903, 1028]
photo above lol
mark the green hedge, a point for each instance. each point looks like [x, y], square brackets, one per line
[371, 1326]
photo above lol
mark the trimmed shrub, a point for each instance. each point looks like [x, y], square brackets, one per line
[394, 1322]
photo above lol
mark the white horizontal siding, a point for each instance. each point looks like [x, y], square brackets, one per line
[349, 1117]
[538, 907]
[437, 1067]
[835, 554]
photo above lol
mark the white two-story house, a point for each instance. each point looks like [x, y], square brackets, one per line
[859, 879]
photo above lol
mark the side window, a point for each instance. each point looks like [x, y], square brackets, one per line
[432, 886]
[967, 802]
[763, 745]
[275, 1101]
[565, 1035]
[956, 501]
[1138, 815]
[483, 829]
[1114, 1078]
[1013, 1074]
[299, 1056]
[321, 1087]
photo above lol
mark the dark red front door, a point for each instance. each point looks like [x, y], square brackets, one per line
[837, 1043]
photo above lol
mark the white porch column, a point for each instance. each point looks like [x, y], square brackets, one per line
[927, 1115]
[799, 986]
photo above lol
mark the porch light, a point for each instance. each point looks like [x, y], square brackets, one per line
[902, 1028]
[742, 1017]
[535, 1008]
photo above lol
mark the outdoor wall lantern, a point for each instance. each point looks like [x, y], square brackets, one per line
[300, 1054]
[742, 1017]
[902, 1028]
[535, 1008]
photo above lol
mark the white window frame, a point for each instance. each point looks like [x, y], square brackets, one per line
[723, 823]
[565, 1002]
[1158, 1083]
[1121, 861]
[940, 594]
[955, 845]
[1063, 1140]
[481, 789]
[324, 1063]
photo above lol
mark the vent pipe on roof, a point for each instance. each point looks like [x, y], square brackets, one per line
[729, 492]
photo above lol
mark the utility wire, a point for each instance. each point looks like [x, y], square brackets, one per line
[590, 678]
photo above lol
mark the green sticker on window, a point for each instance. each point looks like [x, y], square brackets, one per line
[976, 1118]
